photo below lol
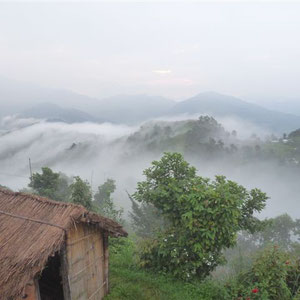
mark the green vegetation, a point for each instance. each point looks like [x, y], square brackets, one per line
[172, 211]
[202, 217]
[128, 281]
[50, 184]
[58, 186]
[207, 139]
[81, 193]
[273, 275]
[104, 202]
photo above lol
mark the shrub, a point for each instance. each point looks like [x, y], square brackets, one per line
[203, 217]
[274, 275]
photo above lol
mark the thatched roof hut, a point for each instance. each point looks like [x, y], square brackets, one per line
[34, 229]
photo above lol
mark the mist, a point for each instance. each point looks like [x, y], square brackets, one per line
[100, 151]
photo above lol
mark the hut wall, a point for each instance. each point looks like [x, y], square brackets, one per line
[85, 255]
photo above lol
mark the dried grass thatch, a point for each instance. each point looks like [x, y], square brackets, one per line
[33, 228]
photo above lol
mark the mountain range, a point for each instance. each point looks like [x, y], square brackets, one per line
[54, 113]
[30, 100]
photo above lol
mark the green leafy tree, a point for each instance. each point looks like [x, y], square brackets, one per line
[63, 190]
[104, 191]
[281, 231]
[203, 216]
[105, 203]
[50, 184]
[46, 183]
[81, 193]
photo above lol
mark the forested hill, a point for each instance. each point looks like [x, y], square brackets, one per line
[206, 138]
[183, 136]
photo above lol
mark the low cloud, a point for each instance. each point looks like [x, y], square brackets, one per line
[104, 151]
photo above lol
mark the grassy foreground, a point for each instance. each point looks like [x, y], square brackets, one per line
[274, 275]
[127, 281]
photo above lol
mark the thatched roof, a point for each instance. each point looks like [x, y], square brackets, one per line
[33, 228]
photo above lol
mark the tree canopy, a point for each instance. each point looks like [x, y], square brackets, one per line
[50, 184]
[81, 193]
[104, 201]
[202, 216]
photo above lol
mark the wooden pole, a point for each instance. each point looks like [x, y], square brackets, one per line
[30, 169]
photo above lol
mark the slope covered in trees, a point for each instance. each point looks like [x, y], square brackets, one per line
[204, 220]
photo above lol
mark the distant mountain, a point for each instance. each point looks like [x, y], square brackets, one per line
[218, 105]
[53, 112]
[17, 97]
[132, 109]
[29, 99]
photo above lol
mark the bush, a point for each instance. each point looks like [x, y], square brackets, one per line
[274, 275]
[202, 217]
[122, 252]
[270, 273]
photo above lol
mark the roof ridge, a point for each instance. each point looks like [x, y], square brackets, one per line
[39, 198]
[89, 215]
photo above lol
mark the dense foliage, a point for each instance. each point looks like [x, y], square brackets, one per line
[104, 202]
[273, 275]
[206, 139]
[282, 231]
[203, 217]
[58, 186]
[50, 184]
[81, 193]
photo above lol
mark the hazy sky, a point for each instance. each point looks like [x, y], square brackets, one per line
[170, 49]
